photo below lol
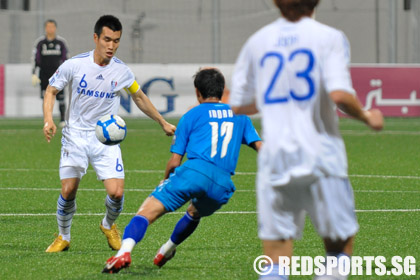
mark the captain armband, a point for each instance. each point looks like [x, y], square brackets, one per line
[133, 88]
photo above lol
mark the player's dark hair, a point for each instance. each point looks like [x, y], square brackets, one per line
[50, 21]
[209, 82]
[109, 21]
[293, 10]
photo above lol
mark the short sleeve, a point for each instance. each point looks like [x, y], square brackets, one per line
[62, 76]
[126, 80]
[180, 139]
[336, 64]
[250, 133]
[243, 79]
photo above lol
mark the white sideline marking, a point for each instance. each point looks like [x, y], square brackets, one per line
[374, 133]
[80, 189]
[32, 129]
[179, 212]
[387, 210]
[152, 189]
[384, 191]
[102, 214]
[384, 176]
[237, 173]
[56, 170]
[153, 130]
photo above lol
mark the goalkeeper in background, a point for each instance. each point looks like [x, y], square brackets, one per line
[49, 52]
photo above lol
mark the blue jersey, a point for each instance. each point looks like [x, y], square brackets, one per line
[211, 132]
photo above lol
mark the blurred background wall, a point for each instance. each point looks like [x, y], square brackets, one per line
[205, 31]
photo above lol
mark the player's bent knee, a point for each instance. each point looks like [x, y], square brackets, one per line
[193, 211]
[151, 209]
[69, 188]
[116, 195]
[151, 214]
[114, 188]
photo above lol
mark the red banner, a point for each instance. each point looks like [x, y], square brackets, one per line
[395, 90]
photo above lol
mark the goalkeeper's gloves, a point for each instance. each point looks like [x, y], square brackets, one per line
[35, 80]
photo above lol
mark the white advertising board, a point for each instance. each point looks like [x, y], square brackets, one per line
[169, 86]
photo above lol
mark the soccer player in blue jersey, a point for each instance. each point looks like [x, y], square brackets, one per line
[211, 136]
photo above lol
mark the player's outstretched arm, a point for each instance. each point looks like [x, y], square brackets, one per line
[48, 105]
[350, 105]
[147, 107]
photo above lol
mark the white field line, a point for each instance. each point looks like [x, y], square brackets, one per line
[350, 132]
[90, 171]
[384, 176]
[58, 189]
[181, 212]
[31, 129]
[152, 189]
[397, 123]
[373, 133]
[384, 191]
[237, 173]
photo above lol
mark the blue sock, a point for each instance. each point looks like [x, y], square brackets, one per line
[184, 228]
[136, 228]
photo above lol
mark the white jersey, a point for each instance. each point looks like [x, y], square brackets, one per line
[288, 69]
[94, 89]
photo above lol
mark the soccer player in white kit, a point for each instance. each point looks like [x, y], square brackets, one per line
[95, 79]
[294, 72]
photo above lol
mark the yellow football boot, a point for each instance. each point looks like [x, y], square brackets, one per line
[58, 245]
[113, 237]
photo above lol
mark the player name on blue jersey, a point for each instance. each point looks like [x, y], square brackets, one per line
[219, 114]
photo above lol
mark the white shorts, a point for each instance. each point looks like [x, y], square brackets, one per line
[81, 147]
[329, 202]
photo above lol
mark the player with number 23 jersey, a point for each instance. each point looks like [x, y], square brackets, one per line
[295, 72]
[291, 74]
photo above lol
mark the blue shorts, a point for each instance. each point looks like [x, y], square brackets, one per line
[206, 194]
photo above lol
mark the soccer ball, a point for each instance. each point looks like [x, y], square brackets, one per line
[110, 129]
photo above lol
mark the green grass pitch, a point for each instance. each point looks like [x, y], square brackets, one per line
[384, 170]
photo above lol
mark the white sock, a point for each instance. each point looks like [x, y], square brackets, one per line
[127, 245]
[113, 210]
[66, 237]
[168, 248]
[65, 212]
[105, 224]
